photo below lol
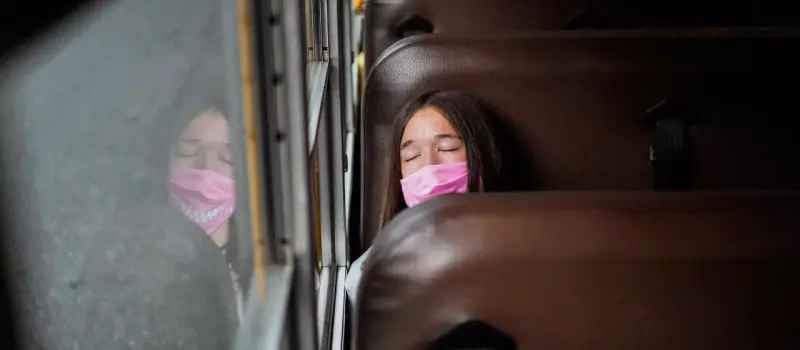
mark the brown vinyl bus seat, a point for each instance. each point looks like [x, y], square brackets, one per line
[574, 109]
[587, 270]
[388, 21]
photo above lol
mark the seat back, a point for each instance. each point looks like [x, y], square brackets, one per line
[572, 108]
[388, 21]
[577, 270]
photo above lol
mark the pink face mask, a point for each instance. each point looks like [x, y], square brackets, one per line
[435, 180]
[204, 196]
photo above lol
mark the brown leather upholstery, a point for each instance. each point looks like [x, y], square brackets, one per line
[385, 19]
[572, 106]
[589, 270]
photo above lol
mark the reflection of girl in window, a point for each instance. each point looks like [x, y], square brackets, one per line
[201, 181]
[201, 175]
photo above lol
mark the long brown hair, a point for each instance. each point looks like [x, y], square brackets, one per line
[469, 118]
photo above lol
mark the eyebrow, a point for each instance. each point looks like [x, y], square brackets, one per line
[438, 136]
[196, 140]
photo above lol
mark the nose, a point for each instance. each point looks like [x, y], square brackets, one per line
[431, 157]
[204, 159]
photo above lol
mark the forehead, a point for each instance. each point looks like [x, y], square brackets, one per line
[425, 123]
[208, 126]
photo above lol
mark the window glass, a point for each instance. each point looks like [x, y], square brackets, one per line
[309, 27]
[316, 79]
[317, 226]
[120, 141]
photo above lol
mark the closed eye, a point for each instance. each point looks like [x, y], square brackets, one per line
[410, 159]
[186, 153]
[226, 157]
[187, 148]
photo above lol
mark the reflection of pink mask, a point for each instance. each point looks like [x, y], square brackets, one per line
[435, 180]
[204, 196]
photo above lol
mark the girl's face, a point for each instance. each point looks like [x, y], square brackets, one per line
[204, 144]
[429, 139]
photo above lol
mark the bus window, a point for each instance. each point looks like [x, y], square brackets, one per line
[295, 306]
[123, 152]
[317, 70]
[174, 176]
[327, 72]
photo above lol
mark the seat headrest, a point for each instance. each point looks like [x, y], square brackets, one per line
[386, 18]
[606, 270]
